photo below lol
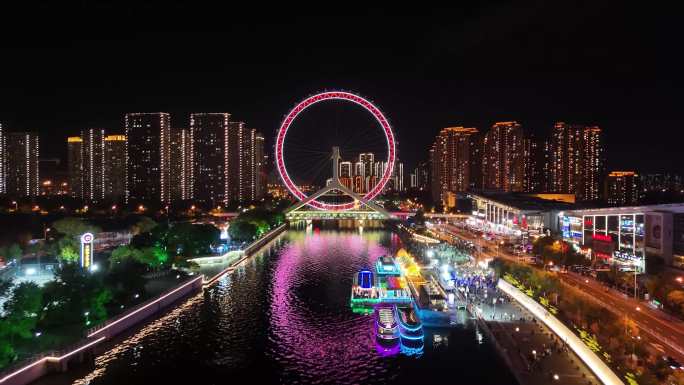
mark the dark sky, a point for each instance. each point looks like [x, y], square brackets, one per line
[67, 68]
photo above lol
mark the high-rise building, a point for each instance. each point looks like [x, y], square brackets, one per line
[260, 170]
[369, 177]
[450, 162]
[75, 165]
[345, 174]
[420, 177]
[622, 188]
[209, 133]
[22, 150]
[576, 160]
[181, 164]
[93, 164]
[359, 177]
[147, 157]
[534, 164]
[114, 167]
[503, 165]
[240, 155]
[396, 181]
[3, 162]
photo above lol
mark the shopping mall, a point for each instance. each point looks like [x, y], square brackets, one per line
[627, 236]
[517, 214]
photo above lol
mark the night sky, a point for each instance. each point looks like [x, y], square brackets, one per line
[74, 67]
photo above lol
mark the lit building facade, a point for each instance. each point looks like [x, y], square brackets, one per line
[260, 165]
[147, 157]
[181, 167]
[576, 160]
[450, 163]
[209, 133]
[626, 236]
[622, 188]
[114, 167]
[345, 174]
[93, 164]
[75, 165]
[515, 214]
[22, 151]
[503, 166]
[420, 177]
[240, 151]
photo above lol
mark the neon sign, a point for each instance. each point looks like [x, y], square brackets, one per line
[87, 250]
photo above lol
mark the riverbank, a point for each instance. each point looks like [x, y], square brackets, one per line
[30, 370]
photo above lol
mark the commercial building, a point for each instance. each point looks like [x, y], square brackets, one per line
[450, 163]
[515, 214]
[622, 188]
[181, 164]
[147, 157]
[22, 151]
[209, 136]
[114, 167]
[576, 160]
[628, 236]
[503, 166]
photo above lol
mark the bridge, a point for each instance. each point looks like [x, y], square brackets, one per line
[362, 208]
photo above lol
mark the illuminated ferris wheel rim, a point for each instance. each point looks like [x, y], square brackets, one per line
[320, 97]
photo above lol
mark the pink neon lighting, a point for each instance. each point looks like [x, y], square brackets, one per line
[50, 358]
[145, 307]
[334, 95]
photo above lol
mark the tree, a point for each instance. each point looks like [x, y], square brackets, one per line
[154, 257]
[73, 227]
[14, 251]
[675, 299]
[22, 310]
[123, 254]
[5, 286]
[68, 254]
[143, 225]
[242, 231]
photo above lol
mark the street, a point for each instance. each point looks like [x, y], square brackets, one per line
[666, 332]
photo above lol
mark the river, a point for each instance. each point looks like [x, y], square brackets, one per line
[284, 318]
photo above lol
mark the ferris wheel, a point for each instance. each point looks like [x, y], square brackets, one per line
[383, 126]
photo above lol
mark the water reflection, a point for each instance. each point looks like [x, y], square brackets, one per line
[284, 318]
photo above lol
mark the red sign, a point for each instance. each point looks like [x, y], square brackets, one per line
[603, 238]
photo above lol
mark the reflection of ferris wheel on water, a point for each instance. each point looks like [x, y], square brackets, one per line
[381, 129]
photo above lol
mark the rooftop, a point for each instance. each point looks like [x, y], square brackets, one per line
[526, 202]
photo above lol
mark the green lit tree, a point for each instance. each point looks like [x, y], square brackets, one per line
[22, 310]
[68, 254]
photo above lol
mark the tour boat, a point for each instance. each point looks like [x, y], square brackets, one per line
[386, 329]
[410, 327]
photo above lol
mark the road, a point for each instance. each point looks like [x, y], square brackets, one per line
[666, 332]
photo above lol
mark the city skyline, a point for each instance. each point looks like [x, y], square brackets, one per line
[636, 90]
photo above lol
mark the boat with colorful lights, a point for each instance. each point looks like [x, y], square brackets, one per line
[410, 326]
[386, 328]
